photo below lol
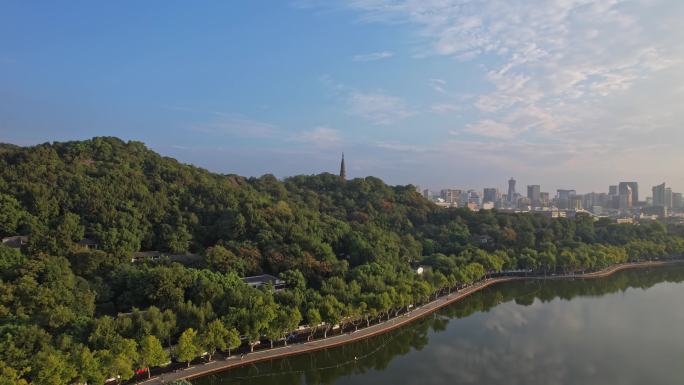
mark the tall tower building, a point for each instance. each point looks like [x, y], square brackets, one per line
[343, 170]
[511, 189]
[668, 197]
[634, 188]
[625, 198]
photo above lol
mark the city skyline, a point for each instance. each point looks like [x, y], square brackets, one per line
[503, 190]
[570, 91]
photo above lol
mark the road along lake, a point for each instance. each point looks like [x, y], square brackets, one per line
[624, 329]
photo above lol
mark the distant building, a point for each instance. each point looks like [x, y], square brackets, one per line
[575, 202]
[613, 190]
[511, 190]
[545, 199]
[563, 197]
[474, 197]
[490, 195]
[677, 201]
[15, 242]
[88, 243]
[660, 211]
[487, 206]
[633, 188]
[261, 280]
[659, 195]
[625, 197]
[668, 197]
[534, 194]
[427, 194]
[451, 196]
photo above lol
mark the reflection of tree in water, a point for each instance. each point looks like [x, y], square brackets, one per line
[326, 366]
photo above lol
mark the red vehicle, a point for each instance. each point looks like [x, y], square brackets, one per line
[141, 371]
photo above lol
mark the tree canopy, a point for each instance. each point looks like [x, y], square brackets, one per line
[76, 303]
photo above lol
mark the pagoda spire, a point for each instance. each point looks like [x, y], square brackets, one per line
[343, 170]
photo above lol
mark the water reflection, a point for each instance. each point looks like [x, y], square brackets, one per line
[606, 331]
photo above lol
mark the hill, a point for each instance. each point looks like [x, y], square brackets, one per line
[76, 305]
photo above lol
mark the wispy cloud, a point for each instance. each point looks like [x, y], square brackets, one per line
[491, 129]
[378, 107]
[551, 56]
[399, 147]
[373, 56]
[236, 124]
[438, 85]
[443, 108]
[321, 137]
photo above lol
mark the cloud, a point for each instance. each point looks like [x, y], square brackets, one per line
[401, 147]
[373, 56]
[378, 107]
[438, 85]
[321, 137]
[236, 124]
[554, 79]
[492, 129]
[443, 108]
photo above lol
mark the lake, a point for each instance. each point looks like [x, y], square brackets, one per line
[624, 329]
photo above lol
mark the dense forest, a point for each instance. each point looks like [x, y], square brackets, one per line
[74, 311]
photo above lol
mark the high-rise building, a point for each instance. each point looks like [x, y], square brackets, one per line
[451, 195]
[427, 194]
[473, 196]
[575, 202]
[634, 187]
[625, 198]
[534, 194]
[613, 190]
[677, 201]
[659, 195]
[668, 197]
[490, 195]
[564, 198]
[511, 189]
[544, 199]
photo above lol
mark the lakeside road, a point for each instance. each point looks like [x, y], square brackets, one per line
[384, 327]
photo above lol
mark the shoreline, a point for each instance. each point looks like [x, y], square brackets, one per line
[205, 369]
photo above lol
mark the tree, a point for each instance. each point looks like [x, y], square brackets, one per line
[224, 260]
[188, 347]
[11, 214]
[151, 353]
[9, 376]
[313, 318]
[88, 365]
[119, 359]
[214, 336]
[52, 368]
[331, 313]
[232, 340]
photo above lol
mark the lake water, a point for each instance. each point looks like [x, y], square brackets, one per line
[624, 329]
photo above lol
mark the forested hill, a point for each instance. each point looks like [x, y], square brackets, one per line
[346, 250]
[128, 198]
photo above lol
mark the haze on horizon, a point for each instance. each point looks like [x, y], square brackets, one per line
[465, 93]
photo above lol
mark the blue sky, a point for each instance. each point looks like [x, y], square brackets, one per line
[440, 93]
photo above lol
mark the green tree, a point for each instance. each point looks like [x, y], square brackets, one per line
[188, 347]
[215, 336]
[151, 353]
[87, 365]
[52, 368]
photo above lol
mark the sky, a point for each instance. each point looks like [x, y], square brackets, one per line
[438, 93]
